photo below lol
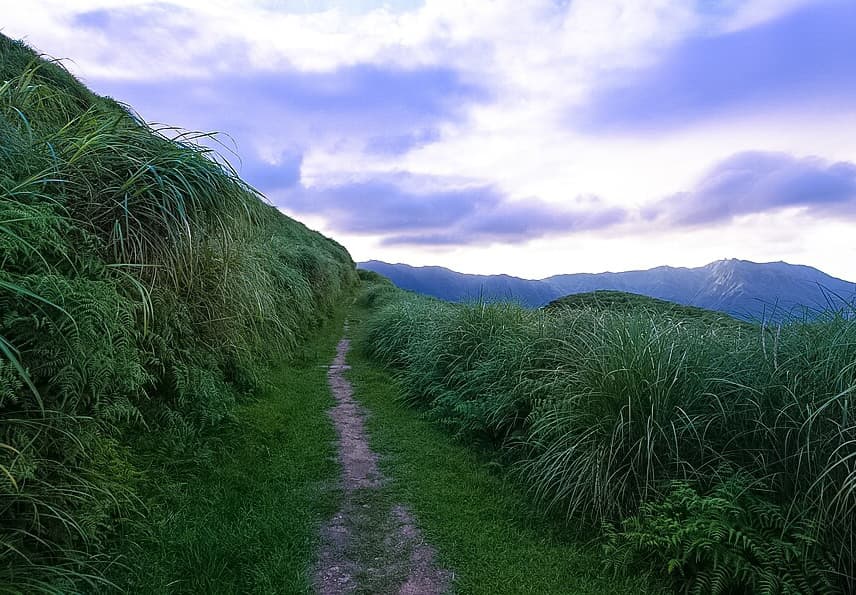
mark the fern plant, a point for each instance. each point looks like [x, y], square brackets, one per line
[728, 541]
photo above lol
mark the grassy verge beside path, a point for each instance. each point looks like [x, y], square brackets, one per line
[480, 524]
[246, 519]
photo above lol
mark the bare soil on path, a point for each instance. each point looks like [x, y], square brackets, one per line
[371, 545]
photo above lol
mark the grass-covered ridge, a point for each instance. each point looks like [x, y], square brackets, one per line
[721, 457]
[144, 288]
[622, 301]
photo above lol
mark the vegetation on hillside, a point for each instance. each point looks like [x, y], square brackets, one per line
[621, 301]
[481, 522]
[242, 515]
[720, 456]
[143, 289]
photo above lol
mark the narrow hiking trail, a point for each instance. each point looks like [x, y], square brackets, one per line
[372, 544]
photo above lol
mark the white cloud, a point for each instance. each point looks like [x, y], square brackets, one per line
[538, 60]
[742, 15]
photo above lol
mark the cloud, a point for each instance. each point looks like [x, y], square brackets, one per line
[804, 57]
[328, 100]
[757, 182]
[268, 177]
[191, 34]
[382, 110]
[354, 7]
[93, 19]
[386, 206]
[398, 144]
[415, 210]
[136, 21]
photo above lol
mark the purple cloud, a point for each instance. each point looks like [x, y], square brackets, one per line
[139, 23]
[805, 57]
[99, 19]
[270, 177]
[412, 210]
[388, 110]
[368, 90]
[385, 206]
[376, 108]
[402, 143]
[755, 182]
[535, 218]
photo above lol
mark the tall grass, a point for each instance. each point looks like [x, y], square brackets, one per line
[144, 288]
[693, 441]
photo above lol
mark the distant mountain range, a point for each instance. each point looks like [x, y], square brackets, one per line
[741, 288]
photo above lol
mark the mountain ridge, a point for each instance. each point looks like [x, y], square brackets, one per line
[741, 288]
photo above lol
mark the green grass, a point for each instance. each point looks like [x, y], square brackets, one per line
[621, 301]
[638, 421]
[145, 291]
[246, 518]
[479, 519]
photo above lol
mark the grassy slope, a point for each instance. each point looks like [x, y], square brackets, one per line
[245, 520]
[145, 293]
[480, 521]
[621, 301]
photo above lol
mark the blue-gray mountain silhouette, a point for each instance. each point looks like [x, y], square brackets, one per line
[745, 289]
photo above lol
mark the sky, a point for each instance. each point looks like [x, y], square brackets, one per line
[529, 138]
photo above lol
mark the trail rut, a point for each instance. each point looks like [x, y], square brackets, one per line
[371, 545]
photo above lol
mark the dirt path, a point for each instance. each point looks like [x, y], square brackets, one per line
[371, 545]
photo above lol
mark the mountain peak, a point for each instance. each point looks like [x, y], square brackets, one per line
[739, 287]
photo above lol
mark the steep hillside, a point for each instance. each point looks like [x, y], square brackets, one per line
[737, 287]
[144, 289]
